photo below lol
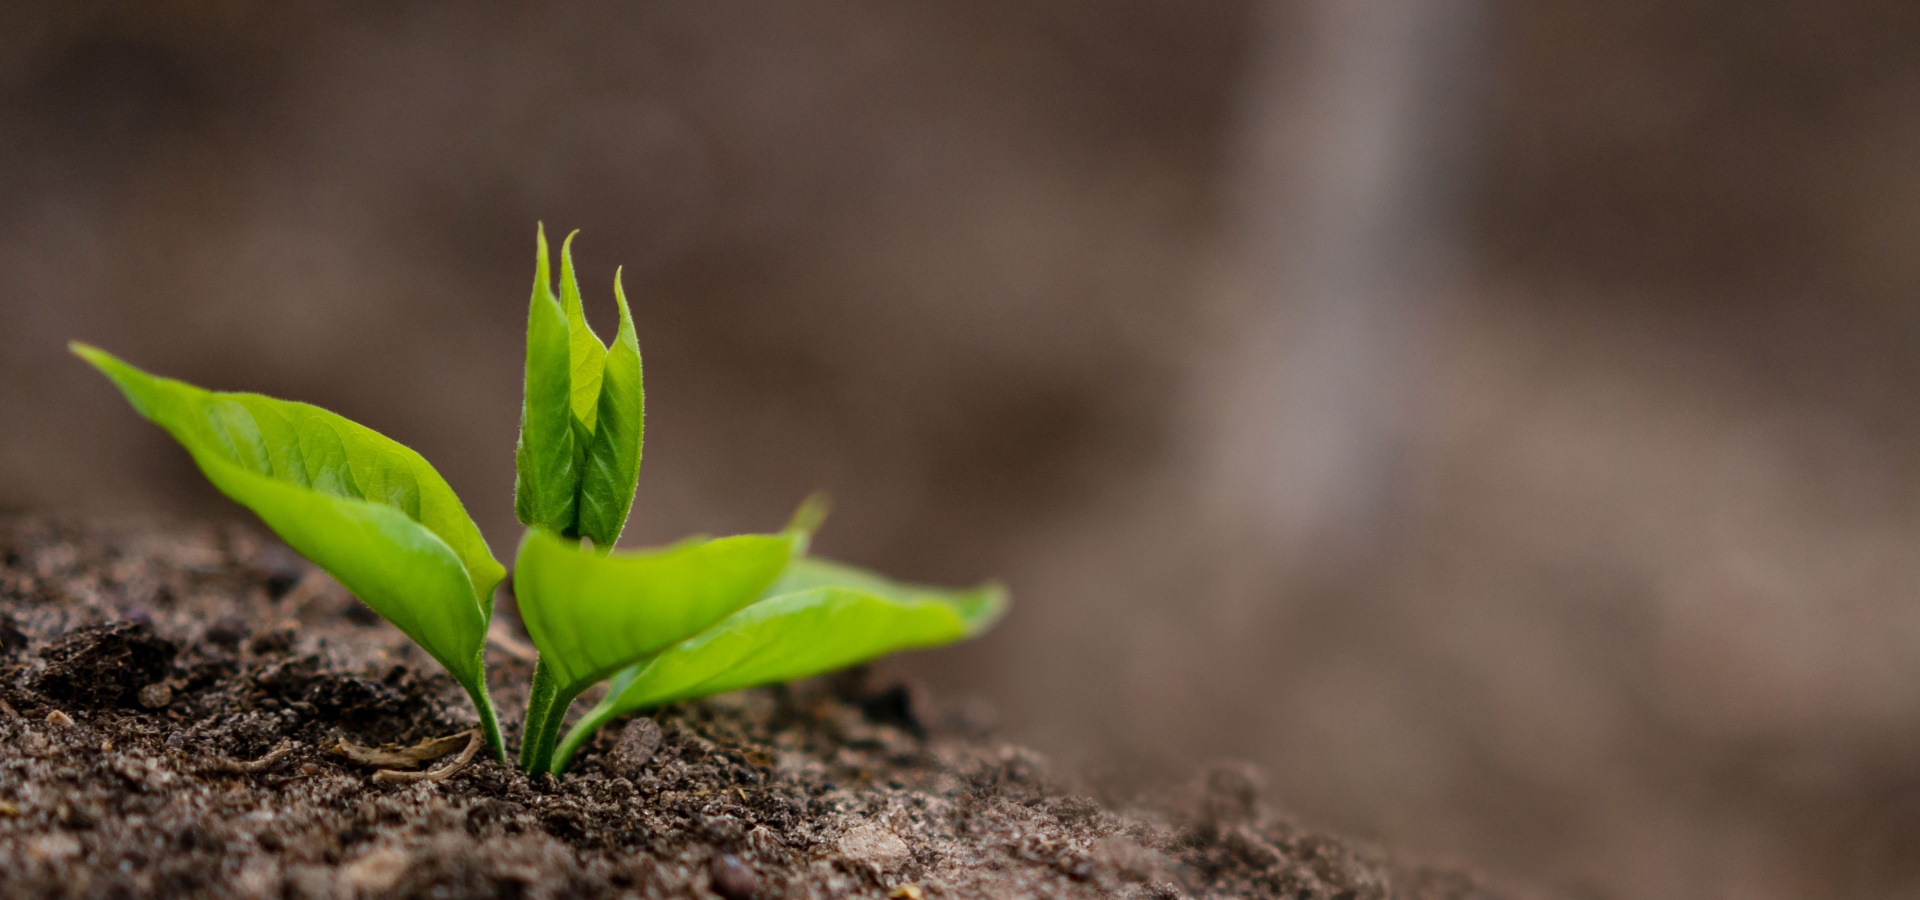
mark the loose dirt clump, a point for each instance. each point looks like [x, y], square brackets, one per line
[174, 708]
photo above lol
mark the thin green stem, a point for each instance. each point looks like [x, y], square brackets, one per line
[578, 734]
[489, 720]
[546, 708]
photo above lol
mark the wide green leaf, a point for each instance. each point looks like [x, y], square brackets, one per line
[822, 616]
[592, 614]
[547, 459]
[369, 511]
[819, 617]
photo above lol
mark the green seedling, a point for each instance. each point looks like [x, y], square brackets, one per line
[699, 617]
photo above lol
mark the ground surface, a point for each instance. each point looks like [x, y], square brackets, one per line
[150, 678]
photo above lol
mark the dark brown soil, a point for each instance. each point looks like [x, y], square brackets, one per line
[150, 677]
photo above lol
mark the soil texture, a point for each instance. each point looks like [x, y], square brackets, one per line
[174, 704]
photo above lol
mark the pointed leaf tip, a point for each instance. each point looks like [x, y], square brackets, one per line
[810, 515]
[983, 607]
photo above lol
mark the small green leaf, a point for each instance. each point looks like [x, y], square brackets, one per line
[612, 468]
[547, 459]
[586, 354]
[369, 511]
[821, 616]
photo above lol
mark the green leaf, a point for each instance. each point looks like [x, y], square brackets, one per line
[547, 459]
[369, 511]
[591, 614]
[612, 468]
[586, 354]
[821, 616]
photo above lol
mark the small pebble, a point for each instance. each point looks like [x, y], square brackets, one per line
[228, 631]
[11, 637]
[273, 642]
[638, 742]
[59, 718]
[156, 695]
[377, 871]
[732, 878]
[874, 844]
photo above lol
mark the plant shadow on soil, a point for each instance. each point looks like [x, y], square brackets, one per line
[172, 699]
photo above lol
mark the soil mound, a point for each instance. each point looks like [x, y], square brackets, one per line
[173, 705]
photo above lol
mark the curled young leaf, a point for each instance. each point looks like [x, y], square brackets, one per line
[547, 459]
[582, 419]
[821, 616]
[586, 355]
[366, 509]
[612, 467]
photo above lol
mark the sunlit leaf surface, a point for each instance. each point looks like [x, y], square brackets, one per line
[591, 614]
[369, 511]
[820, 617]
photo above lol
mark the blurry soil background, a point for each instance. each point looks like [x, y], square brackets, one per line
[1493, 419]
[173, 704]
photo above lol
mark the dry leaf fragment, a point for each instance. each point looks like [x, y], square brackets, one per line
[474, 742]
[391, 757]
[248, 767]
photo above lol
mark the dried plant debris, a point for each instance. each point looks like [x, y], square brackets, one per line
[409, 757]
[232, 789]
[474, 743]
[250, 766]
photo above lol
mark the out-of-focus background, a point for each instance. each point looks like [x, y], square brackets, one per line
[1496, 419]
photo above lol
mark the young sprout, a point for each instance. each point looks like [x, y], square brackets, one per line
[700, 617]
[369, 511]
[584, 414]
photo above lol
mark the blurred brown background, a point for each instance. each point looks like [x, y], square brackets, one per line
[1496, 419]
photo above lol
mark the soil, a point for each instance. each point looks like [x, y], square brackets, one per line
[173, 701]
